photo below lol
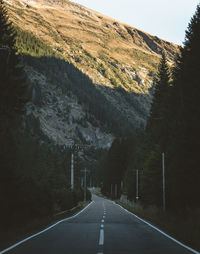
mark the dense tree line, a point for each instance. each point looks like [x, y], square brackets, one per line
[37, 179]
[114, 166]
[173, 129]
[13, 81]
[28, 44]
[34, 173]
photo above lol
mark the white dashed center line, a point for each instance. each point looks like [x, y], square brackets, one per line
[101, 237]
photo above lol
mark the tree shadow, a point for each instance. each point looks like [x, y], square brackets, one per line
[119, 111]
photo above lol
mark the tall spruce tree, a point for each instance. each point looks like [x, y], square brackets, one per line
[12, 78]
[157, 122]
[157, 136]
[185, 159]
[13, 89]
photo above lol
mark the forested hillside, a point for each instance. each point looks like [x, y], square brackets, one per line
[58, 91]
[172, 131]
[35, 170]
[172, 128]
[119, 60]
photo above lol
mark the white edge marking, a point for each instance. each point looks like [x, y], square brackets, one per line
[102, 221]
[101, 238]
[46, 229]
[102, 226]
[160, 231]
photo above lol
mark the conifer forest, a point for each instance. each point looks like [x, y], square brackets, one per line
[155, 164]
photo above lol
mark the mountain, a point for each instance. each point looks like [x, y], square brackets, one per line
[90, 76]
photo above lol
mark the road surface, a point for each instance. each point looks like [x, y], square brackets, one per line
[102, 228]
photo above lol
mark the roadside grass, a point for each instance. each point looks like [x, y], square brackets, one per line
[184, 228]
[24, 230]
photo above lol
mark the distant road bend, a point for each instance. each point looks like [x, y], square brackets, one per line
[102, 228]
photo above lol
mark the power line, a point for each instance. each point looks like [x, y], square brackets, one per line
[74, 148]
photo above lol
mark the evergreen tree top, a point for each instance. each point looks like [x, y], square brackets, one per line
[193, 31]
[7, 33]
[163, 70]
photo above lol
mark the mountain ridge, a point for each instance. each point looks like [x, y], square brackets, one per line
[78, 60]
[89, 39]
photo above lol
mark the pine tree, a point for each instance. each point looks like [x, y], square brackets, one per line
[185, 152]
[7, 33]
[157, 136]
[12, 100]
[12, 78]
[157, 125]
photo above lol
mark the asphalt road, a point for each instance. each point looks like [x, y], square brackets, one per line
[102, 228]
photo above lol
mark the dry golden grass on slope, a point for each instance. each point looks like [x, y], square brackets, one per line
[81, 35]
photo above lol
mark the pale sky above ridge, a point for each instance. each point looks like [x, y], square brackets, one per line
[165, 19]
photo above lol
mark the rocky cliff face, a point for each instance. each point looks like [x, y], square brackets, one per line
[120, 60]
[59, 116]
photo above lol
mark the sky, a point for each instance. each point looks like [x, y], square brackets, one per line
[167, 19]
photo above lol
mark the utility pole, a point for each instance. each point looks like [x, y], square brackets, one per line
[85, 187]
[74, 148]
[85, 184]
[111, 189]
[137, 189]
[72, 171]
[163, 175]
[115, 190]
[121, 185]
